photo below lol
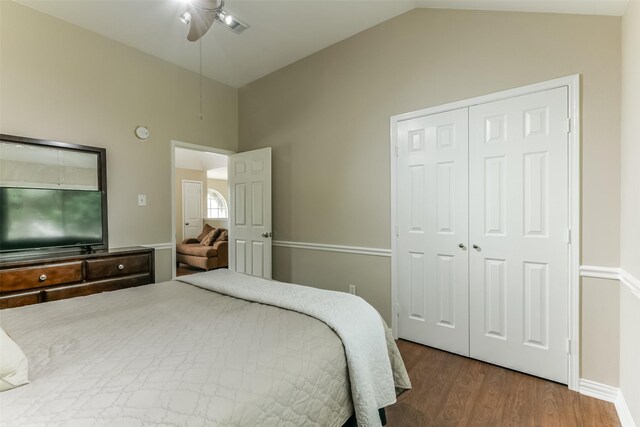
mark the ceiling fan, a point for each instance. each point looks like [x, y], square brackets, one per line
[201, 14]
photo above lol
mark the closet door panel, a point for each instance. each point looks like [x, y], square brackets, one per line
[432, 224]
[518, 219]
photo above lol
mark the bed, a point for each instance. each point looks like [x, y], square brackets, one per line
[185, 355]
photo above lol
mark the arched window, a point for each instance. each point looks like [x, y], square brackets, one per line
[216, 205]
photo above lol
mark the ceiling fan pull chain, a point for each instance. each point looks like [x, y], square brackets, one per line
[200, 115]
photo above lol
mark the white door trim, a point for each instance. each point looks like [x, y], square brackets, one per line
[573, 85]
[174, 145]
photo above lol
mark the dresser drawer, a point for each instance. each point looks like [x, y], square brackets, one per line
[18, 300]
[16, 279]
[118, 266]
[83, 289]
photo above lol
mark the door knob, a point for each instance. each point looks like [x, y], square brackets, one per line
[186, 223]
[461, 246]
[265, 234]
[476, 247]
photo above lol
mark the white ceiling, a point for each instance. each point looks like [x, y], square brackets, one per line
[280, 31]
[219, 173]
[214, 164]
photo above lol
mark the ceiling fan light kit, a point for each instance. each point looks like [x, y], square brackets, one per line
[201, 15]
[185, 18]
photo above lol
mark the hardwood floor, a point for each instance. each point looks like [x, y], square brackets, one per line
[450, 390]
[184, 270]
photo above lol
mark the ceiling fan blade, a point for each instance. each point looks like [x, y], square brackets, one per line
[208, 5]
[201, 21]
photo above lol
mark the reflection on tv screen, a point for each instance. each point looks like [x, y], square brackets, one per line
[33, 218]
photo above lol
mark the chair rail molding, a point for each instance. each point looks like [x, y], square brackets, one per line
[358, 250]
[158, 246]
[612, 273]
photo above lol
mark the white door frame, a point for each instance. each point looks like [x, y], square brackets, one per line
[175, 144]
[573, 85]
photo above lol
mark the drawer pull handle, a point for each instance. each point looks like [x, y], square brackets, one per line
[42, 277]
[120, 266]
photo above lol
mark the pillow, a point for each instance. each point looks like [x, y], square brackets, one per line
[211, 237]
[13, 363]
[205, 230]
[224, 236]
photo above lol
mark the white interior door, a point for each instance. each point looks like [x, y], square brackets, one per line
[250, 212]
[518, 221]
[433, 230]
[192, 208]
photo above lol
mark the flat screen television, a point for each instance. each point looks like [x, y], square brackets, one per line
[36, 218]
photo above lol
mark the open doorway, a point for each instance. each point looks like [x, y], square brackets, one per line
[200, 208]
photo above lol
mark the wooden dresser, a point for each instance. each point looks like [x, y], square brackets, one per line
[33, 280]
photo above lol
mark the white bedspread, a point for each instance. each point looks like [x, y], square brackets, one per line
[358, 325]
[172, 354]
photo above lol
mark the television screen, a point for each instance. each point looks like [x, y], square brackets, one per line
[34, 218]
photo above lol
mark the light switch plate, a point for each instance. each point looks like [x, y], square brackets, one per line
[142, 200]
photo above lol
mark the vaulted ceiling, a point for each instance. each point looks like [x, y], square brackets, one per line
[280, 31]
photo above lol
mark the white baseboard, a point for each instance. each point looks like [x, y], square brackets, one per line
[626, 420]
[609, 394]
[599, 390]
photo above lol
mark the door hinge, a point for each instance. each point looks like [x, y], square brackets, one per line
[397, 310]
[397, 231]
[396, 150]
[568, 346]
[568, 235]
[568, 125]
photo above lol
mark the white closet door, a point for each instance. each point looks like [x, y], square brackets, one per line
[518, 216]
[433, 231]
[250, 213]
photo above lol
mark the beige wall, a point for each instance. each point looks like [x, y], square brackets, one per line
[630, 351]
[600, 323]
[61, 82]
[630, 136]
[327, 119]
[189, 175]
[335, 271]
[163, 265]
[630, 209]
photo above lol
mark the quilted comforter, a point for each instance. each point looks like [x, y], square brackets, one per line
[175, 354]
[359, 326]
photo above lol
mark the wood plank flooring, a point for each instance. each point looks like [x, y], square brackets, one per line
[450, 390]
[185, 270]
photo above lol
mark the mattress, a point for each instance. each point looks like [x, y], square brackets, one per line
[174, 354]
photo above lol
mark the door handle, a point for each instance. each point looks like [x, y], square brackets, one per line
[476, 247]
[186, 223]
[265, 234]
[462, 246]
